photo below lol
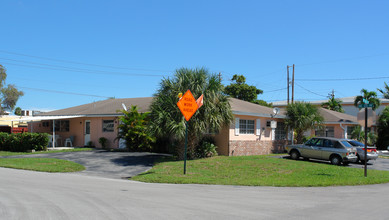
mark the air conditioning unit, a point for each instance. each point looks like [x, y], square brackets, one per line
[271, 124]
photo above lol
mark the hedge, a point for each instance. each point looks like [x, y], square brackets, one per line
[23, 142]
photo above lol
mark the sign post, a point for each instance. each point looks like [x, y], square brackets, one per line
[366, 105]
[188, 106]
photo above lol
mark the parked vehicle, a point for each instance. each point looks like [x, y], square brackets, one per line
[371, 151]
[335, 150]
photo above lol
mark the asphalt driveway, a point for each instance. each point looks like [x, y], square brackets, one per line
[379, 164]
[116, 165]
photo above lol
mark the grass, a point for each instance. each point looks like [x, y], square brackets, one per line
[41, 164]
[8, 153]
[384, 157]
[259, 171]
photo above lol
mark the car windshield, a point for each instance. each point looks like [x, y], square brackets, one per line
[346, 144]
[356, 143]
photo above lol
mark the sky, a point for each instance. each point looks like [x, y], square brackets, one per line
[67, 53]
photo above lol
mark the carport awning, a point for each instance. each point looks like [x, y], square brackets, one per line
[44, 118]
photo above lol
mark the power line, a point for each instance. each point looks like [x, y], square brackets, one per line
[275, 90]
[80, 63]
[345, 79]
[309, 90]
[86, 71]
[62, 92]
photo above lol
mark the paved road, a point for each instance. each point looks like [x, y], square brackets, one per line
[36, 195]
[107, 164]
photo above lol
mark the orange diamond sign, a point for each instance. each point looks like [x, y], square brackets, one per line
[187, 105]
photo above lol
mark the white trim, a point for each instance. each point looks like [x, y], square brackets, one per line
[237, 126]
[258, 130]
[258, 114]
[44, 118]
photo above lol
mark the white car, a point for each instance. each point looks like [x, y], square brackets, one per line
[371, 151]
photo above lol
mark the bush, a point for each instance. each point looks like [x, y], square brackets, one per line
[23, 142]
[206, 148]
[103, 141]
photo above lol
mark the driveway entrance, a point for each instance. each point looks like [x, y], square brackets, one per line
[117, 165]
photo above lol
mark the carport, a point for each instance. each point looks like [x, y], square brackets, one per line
[45, 118]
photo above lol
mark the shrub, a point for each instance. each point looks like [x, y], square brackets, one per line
[103, 141]
[206, 148]
[90, 144]
[23, 142]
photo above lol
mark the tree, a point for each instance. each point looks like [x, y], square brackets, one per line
[383, 129]
[240, 90]
[18, 111]
[369, 96]
[134, 129]
[359, 134]
[9, 94]
[167, 120]
[333, 104]
[385, 91]
[302, 116]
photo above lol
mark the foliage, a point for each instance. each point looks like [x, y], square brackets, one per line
[359, 134]
[206, 148]
[333, 104]
[263, 103]
[167, 120]
[302, 116]
[18, 111]
[134, 130]
[240, 90]
[259, 171]
[385, 91]
[9, 94]
[383, 129]
[370, 96]
[23, 142]
[90, 144]
[103, 141]
[306, 138]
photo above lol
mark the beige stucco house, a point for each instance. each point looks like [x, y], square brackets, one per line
[255, 130]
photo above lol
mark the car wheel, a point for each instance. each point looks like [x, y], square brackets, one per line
[363, 161]
[295, 155]
[336, 160]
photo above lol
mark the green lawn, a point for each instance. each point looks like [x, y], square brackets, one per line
[8, 153]
[259, 171]
[41, 164]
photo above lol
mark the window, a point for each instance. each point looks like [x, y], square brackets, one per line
[326, 132]
[108, 126]
[280, 131]
[62, 125]
[246, 126]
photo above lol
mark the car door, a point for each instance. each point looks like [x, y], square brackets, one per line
[310, 148]
[327, 149]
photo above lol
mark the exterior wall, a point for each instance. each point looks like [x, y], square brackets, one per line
[245, 148]
[338, 130]
[230, 144]
[222, 141]
[76, 129]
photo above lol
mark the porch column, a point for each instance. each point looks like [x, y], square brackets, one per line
[273, 134]
[345, 131]
[53, 133]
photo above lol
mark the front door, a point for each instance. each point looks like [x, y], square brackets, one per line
[87, 133]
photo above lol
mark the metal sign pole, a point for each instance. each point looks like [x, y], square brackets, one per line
[365, 141]
[186, 145]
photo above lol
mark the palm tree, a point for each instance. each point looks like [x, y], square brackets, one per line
[333, 104]
[369, 96]
[302, 116]
[385, 92]
[383, 129]
[167, 120]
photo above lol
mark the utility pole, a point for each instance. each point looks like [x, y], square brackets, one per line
[287, 71]
[220, 77]
[293, 85]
